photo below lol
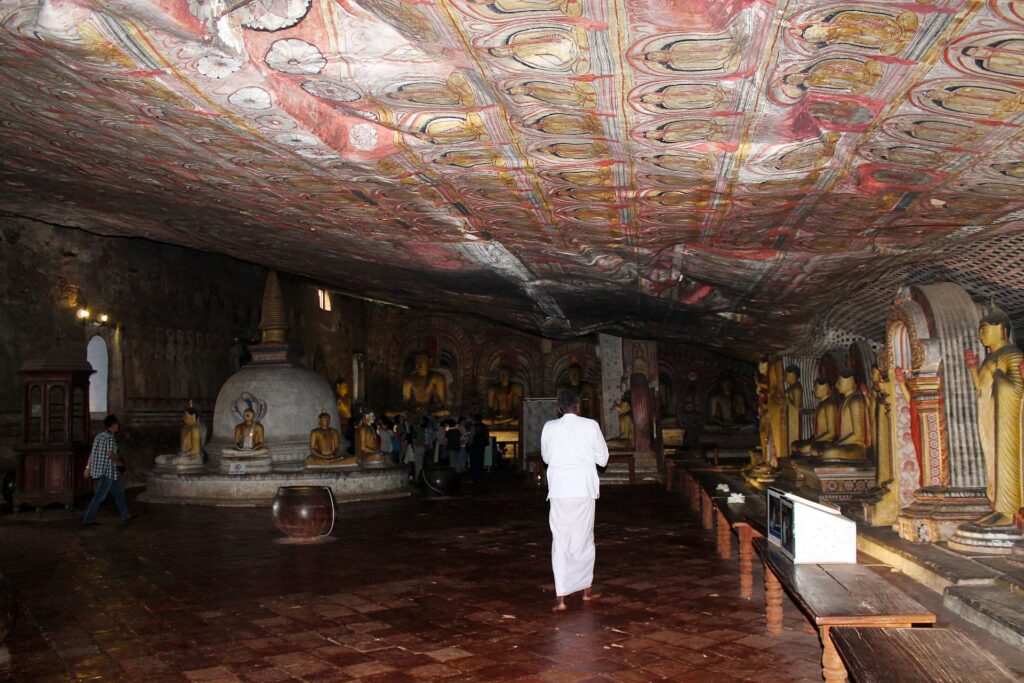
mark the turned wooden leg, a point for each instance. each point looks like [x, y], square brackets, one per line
[746, 560]
[832, 669]
[694, 494]
[772, 602]
[669, 474]
[724, 537]
[708, 511]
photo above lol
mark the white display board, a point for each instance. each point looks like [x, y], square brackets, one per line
[536, 411]
[809, 532]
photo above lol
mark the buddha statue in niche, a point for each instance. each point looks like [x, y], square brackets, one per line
[190, 451]
[726, 407]
[504, 398]
[585, 390]
[1000, 386]
[825, 417]
[852, 439]
[794, 402]
[248, 432]
[425, 390]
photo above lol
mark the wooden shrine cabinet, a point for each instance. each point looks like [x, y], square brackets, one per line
[55, 444]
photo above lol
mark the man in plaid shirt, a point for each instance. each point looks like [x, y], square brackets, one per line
[102, 468]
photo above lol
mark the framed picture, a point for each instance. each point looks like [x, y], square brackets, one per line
[774, 521]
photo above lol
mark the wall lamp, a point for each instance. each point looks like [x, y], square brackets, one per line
[85, 317]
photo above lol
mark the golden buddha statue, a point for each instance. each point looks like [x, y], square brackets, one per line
[825, 418]
[726, 407]
[425, 390]
[881, 405]
[367, 445]
[852, 440]
[1000, 386]
[248, 432]
[325, 446]
[504, 398]
[344, 401]
[625, 412]
[190, 452]
[585, 390]
[794, 402]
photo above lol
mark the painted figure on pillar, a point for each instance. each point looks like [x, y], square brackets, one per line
[852, 438]
[825, 417]
[425, 390]
[998, 381]
[794, 402]
[504, 398]
[882, 389]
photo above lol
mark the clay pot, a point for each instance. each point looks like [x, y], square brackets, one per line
[304, 513]
[8, 608]
[441, 481]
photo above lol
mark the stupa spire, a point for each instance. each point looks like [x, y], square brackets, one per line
[273, 322]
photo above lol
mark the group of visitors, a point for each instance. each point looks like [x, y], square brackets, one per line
[458, 443]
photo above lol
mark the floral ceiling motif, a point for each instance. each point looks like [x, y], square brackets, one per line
[719, 171]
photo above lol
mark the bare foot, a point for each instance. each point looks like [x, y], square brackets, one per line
[560, 605]
[589, 594]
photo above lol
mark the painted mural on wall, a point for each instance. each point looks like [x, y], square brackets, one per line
[678, 150]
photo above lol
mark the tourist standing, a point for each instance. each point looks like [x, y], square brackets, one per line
[477, 445]
[102, 468]
[573, 447]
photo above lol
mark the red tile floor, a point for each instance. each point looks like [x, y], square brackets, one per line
[411, 590]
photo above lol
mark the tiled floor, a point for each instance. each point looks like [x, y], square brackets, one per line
[411, 590]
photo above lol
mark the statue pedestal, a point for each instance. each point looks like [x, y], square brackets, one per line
[255, 461]
[830, 481]
[315, 463]
[375, 459]
[987, 539]
[937, 512]
[174, 463]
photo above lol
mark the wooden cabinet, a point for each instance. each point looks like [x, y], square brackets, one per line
[55, 445]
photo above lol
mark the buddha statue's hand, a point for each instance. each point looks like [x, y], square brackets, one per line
[971, 358]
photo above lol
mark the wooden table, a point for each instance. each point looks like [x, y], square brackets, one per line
[834, 595]
[626, 457]
[914, 655]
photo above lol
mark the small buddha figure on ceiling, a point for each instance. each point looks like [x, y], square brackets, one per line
[425, 390]
[504, 398]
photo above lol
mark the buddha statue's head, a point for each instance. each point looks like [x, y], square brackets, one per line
[189, 416]
[994, 330]
[792, 374]
[504, 375]
[575, 372]
[341, 387]
[726, 386]
[421, 364]
[846, 384]
[325, 420]
[248, 415]
[822, 389]
[762, 366]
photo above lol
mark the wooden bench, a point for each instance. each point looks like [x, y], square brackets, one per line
[914, 655]
[626, 457]
[834, 595]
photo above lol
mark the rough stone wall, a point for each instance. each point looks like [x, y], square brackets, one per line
[173, 314]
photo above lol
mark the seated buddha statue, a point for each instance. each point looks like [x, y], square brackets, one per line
[425, 390]
[248, 432]
[504, 398]
[325, 446]
[726, 407]
[851, 442]
[585, 390]
[367, 444]
[824, 419]
[190, 451]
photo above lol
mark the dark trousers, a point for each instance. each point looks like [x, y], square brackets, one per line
[105, 485]
[476, 463]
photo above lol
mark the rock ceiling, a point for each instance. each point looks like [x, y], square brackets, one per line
[720, 171]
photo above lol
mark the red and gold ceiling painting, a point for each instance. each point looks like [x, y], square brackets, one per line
[730, 172]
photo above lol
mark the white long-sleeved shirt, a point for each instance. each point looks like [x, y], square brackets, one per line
[572, 446]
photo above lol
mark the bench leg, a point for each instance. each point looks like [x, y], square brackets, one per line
[832, 669]
[724, 537]
[694, 494]
[708, 512]
[772, 602]
[670, 472]
[746, 560]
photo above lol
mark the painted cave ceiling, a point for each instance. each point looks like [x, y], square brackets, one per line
[730, 172]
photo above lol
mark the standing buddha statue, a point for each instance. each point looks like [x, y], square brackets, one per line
[794, 403]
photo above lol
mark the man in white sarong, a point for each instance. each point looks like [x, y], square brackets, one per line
[572, 446]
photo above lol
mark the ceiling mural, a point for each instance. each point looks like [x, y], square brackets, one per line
[719, 171]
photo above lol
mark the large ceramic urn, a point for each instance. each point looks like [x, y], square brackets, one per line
[441, 481]
[304, 513]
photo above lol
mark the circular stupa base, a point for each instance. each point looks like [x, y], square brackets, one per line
[211, 487]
